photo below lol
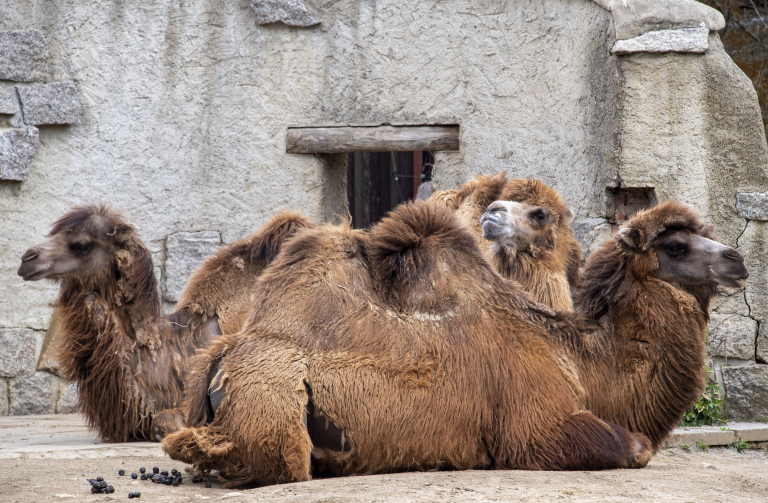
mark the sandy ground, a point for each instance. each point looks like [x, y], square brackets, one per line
[49, 458]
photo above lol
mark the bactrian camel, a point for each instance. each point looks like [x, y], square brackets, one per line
[398, 349]
[541, 252]
[128, 361]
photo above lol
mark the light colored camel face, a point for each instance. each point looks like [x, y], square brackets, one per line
[518, 226]
[689, 259]
[69, 255]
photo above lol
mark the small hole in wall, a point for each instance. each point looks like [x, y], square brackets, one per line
[378, 181]
[624, 202]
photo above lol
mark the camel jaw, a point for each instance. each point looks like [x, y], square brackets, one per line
[33, 272]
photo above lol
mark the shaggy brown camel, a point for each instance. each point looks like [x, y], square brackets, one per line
[398, 349]
[542, 253]
[645, 299]
[128, 361]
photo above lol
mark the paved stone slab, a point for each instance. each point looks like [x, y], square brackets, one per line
[290, 12]
[752, 205]
[709, 435]
[746, 389]
[17, 148]
[732, 336]
[750, 432]
[23, 56]
[54, 103]
[7, 105]
[684, 40]
[185, 251]
[17, 352]
[32, 394]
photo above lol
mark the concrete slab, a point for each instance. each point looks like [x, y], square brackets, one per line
[719, 435]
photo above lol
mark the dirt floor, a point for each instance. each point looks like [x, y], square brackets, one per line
[49, 458]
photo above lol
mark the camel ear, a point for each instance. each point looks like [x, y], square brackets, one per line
[568, 218]
[123, 232]
[630, 239]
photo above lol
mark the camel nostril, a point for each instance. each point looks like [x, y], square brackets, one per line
[733, 255]
[29, 255]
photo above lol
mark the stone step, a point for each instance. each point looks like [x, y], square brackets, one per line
[755, 434]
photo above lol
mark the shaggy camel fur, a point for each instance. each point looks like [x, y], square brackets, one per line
[398, 349]
[645, 302]
[542, 254]
[128, 361]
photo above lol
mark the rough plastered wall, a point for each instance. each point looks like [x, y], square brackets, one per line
[185, 107]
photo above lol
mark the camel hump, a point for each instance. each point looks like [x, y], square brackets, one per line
[264, 246]
[420, 247]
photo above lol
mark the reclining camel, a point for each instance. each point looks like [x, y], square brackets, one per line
[402, 350]
[541, 253]
[645, 300]
[128, 361]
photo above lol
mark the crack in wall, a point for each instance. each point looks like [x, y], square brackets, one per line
[742, 232]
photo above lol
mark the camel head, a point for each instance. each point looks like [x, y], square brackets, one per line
[520, 227]
[670, 243]
[89, 244]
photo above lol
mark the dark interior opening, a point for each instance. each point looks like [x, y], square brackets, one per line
[379, 181]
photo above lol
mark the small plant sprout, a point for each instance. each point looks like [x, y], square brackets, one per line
[739, 446]
[702, 446]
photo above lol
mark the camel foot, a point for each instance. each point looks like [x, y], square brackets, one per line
[166, 422]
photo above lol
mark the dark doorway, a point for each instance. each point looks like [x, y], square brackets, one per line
[379, 181]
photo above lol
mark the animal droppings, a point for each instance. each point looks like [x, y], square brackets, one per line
[143, 470]
[99, 479]
[155, 470]
[99, 486]
[121, 472]
[134, 475]
[134, 495]
[109, 490]
[143, 476]
[164, 473]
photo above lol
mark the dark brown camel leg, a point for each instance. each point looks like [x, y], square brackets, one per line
[585, 442]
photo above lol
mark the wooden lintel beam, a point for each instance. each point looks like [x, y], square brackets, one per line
[334, 140]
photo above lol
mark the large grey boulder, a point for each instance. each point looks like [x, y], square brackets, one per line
[33, 394]
[184, 252]
[17, 148]
[746, 389]
[752, 205]
[68, 399]
[3, 397]
[23, 56]
[732, 336]
[55, 103]
[17, 356]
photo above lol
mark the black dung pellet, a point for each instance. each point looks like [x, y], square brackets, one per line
[109, 490]
[174, 472]
[175, 482]
[95, 490]
[143, 470]
[179, 479]
[196, 479]
[121, 472]
[134, 475]
[164, 473]
[207, 484]
[155, 470]
[137, 494]
[143, 476]
[131, 496]
[99, 479]
[168, 482]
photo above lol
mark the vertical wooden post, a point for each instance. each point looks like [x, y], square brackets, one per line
[418, 158]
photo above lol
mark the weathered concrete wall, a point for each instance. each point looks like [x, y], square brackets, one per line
[182, 107]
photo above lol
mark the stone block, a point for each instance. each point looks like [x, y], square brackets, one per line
[33, 394]
[68, 399]
[17, 148]
[746, 392]
[752, 205]
[7, 105]
[18, 352]
[732, 336]
[3, 397]
[23, 56]
[683, 40]
[184, 252]
[591, 234]
[762, 344]
[54, 103]
[290, 12]
[708, 435]
[750, 432]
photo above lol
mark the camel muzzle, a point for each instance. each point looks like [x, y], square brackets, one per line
[30, 269]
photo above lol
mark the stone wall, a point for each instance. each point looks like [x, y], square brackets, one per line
[176, 113]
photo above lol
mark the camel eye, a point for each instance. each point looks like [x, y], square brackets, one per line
[676, 249]
[539, 216]
[80, 248]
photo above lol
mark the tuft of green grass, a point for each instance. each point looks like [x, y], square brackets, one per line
[702, 446]
[739, 446]
[708, 410]
[687, 448]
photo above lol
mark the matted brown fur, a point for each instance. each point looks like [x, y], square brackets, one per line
[408, 341]
[128, 361]
[548, 270]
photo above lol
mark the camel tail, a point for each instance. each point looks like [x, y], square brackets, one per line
[205, 368]
[266, 244]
